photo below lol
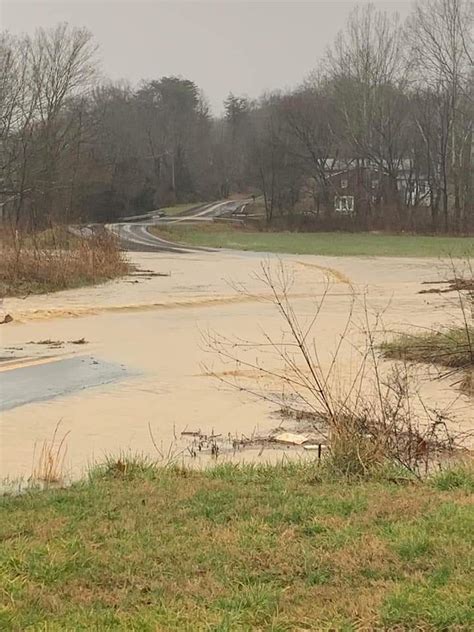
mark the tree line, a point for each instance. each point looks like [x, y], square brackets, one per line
[379, 135]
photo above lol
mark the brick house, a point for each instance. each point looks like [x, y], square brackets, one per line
[358, 187]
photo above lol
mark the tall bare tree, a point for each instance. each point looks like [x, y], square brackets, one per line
[367, 68]
[62, 67]
[441, 37]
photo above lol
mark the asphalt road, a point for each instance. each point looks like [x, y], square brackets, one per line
[38, 382]
[134, 233]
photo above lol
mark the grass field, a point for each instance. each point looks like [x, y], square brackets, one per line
[238, 548]
[179, 208]
[330, 244]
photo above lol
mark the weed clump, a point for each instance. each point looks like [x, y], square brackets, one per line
[56, 261]
[451, 347]
[49, 468]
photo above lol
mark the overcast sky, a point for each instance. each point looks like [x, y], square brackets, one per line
[243, 47]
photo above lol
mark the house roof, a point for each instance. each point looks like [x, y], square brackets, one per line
[338, 166]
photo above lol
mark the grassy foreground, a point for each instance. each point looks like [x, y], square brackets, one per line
[238, 548]
[329, 244]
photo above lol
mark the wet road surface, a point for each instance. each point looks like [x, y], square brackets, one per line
[135, 236]
[52, 377]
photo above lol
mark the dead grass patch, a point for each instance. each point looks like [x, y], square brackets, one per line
[38, 264]
[49, 467]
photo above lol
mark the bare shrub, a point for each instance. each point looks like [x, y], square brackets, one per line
[54, 261]
[373, 416]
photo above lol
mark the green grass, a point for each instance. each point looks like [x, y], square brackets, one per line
[452, 347]
[238, 548]
[179, 208]
[330, 244]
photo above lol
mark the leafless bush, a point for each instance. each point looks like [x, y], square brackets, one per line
[54, 261]
[371, 416]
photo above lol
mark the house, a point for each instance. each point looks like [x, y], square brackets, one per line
[359, 186]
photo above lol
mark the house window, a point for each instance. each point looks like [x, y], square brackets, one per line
[375, 184]
[344, 203]
[344, 184]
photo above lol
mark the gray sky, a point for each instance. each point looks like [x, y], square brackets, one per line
[246, 47]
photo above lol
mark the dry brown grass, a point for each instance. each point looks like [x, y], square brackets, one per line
[54, 261]
[467, 382]
[50, 466]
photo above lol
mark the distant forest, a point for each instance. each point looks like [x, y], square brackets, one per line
[391, 99]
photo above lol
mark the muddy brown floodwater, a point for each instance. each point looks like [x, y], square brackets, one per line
[152, 330]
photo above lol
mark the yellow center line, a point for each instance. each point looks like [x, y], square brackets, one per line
[20, 363]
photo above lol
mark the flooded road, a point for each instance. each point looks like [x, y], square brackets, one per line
[49, 377]
[153, 370]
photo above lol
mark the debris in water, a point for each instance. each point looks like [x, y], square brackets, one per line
[291, 438]
[143, 272]
[453, 285]
[218, 443]
[7, 319]
[58, 343]
[79, 341]
[47, 341]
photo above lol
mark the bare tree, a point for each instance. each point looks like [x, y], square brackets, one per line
[312, 119]
[18, 104]
[441, 37]
[367, 67]
[391, 99]
[276, 172]
[62, 66]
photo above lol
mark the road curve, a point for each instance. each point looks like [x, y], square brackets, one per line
[134, 233]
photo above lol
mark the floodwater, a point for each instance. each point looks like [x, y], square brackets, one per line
[147, 372]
